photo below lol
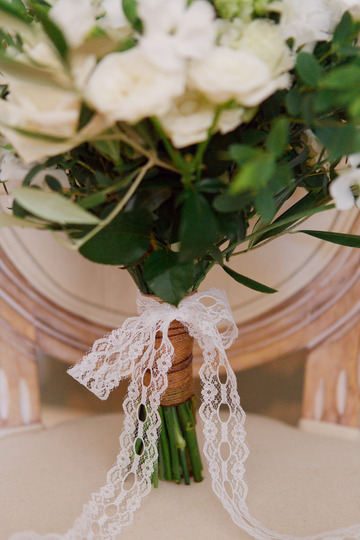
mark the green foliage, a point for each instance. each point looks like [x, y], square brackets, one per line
[198, 229]
[53, 207]
[350, 240]
[308, 69]
[169, 215]
[250, 283]
[123, 242]
[167, 276]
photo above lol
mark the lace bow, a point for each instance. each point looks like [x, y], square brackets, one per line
[131, 350]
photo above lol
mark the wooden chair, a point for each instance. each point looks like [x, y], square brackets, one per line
[318, 309]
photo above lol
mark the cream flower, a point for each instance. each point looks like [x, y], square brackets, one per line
[306, 22]
[189, 120]
[340, 189]
[46, 111]
[225, 74]
[114, 16]
[174, 32]
[74, 18]
[40, 108]
[191, 117]
[126, 86]
[265, 40]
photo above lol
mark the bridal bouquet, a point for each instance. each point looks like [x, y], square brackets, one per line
[168, 136]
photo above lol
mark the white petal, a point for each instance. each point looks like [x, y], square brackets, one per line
[340, 189]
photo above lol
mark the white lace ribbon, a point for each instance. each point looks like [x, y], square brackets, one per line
[131, 350]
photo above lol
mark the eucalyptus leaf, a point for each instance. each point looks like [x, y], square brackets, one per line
[277, 139]
[167, 277]
[253, 175]
[250, 283]
[52, 207]
[309, 69]
[8, 220]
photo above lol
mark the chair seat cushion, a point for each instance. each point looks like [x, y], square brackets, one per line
[299, 483]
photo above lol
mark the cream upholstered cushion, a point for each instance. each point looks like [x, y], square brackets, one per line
[299, 483]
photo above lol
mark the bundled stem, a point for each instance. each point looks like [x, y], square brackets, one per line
[179, 455]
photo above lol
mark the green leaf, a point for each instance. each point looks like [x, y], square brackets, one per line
[93, 200]
[265, 204]
[167, 277]
[277, 139]
[123, 242]
[109, 149]
[53, 183]
[340, 140]
[350, 240]
[226, 202]
[343, 77]
[198, 227]
[130, 11]
[252, 284]
[51, 29]
[307, 206]
[13, 17]
[241, 153]
[308, 69]
[344, 30]
[8, 220]
[293, 101]
[216, 254]
[253, 175]
[52, 207]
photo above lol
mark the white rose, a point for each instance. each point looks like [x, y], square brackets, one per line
[114, 16]
[40, 108]
[230, 119]
[225, 74]
[189, 120]
[74, 18]
[45, 117]
[191, 117]
[306, 22]
[174, 32]
[354, 160]
[340, 189]
[338, 7]
[126, 86]
[265, 40]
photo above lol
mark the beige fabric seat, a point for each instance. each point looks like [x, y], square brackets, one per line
[299, 483]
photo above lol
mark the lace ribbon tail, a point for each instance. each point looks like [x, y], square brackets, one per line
[129, 480]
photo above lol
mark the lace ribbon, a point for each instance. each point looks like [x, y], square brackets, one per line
[131, 350]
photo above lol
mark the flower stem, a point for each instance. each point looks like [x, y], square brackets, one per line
[170, 419]
[181, 446]
[164, 441]
[187, 422]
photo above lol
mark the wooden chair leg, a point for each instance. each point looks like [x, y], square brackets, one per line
[331, 391]
[19, 383]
